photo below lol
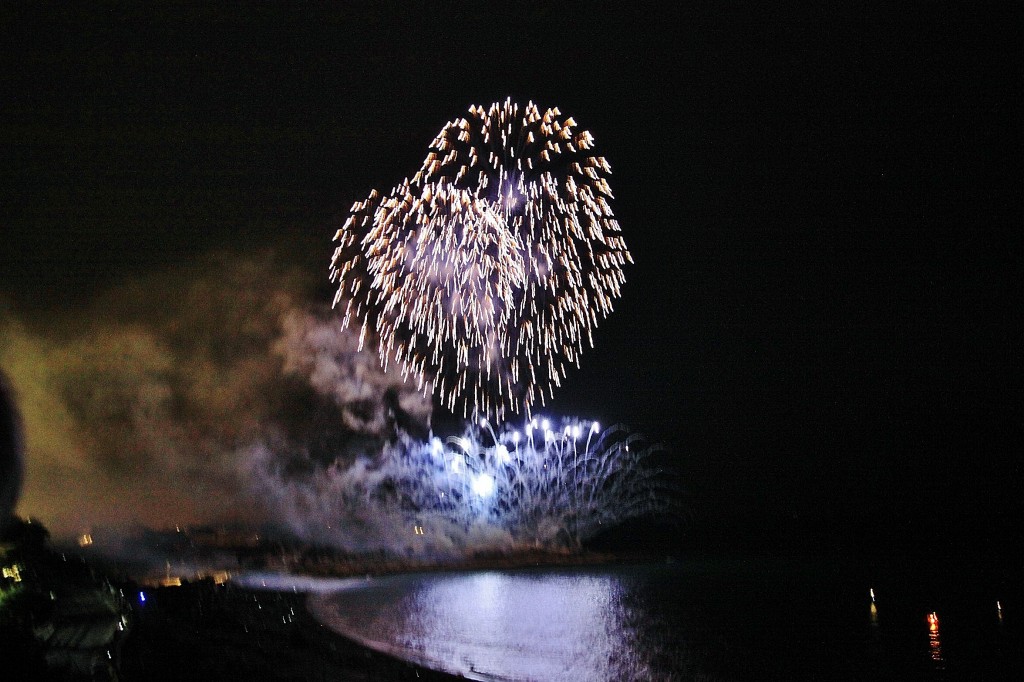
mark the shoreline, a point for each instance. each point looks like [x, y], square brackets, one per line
[252, 629]
[359, 567]
[318, 604]
[245, 630]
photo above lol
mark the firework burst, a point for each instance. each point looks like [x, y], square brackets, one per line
[543, 485]
[485, 273]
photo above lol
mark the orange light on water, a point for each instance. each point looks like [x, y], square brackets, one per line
[934, 643]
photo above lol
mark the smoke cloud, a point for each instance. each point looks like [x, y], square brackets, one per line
[222, 393]
[150, 405]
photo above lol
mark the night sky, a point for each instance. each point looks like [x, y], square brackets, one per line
[823, 322]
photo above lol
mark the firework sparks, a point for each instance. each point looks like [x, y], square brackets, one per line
[486, 489]
[484, 275]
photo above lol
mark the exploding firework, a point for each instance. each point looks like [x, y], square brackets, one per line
[539, 486]
[484, 275]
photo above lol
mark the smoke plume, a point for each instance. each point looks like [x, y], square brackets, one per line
[224, 393]
[146, 406]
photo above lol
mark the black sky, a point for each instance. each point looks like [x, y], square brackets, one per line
[824, 316]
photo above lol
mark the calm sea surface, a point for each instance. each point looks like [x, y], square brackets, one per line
[696, 620]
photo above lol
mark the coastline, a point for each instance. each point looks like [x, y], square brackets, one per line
[359, 566]
[230, 632]
[248, 629]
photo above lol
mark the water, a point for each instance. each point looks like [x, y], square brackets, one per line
[736, 620]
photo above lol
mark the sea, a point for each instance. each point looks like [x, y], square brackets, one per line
[698, 619]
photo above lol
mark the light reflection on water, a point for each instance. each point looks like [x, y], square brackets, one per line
[503, 625]
[934, 641]
[696, 620]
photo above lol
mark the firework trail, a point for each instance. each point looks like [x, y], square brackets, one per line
[485, 273]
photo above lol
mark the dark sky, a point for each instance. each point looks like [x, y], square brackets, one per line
[823, 321]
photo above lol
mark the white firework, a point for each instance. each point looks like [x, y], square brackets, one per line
[484, 274]
[486, 489]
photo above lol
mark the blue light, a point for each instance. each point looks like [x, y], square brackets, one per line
[142, 597]
[483, 485]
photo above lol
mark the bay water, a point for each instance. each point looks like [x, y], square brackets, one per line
[740, 619]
